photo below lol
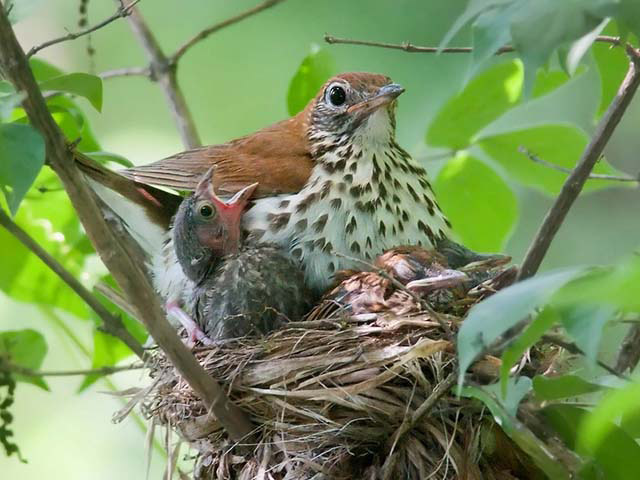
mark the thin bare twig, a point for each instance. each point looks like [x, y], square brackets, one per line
[28, 372]
[115, 246]
[165, 74]
[573, 348]
[629, 354]
[576, 180]
[120, 13]
[594, 176]
[408, 47]
[409, 423]
[219, 26]
[126, 72]
[111, 324]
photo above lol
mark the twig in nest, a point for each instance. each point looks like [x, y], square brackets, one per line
[594, 176]
[120, 13]
[409, 423]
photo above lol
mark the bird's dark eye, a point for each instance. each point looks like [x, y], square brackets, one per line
[337, 95]
[206, 211]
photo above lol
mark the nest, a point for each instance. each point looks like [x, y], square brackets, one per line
[340, 398]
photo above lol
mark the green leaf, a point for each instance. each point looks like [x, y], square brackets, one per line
[474, 8]
[485, 225]
[483, 100]
[556, 144]
[612, 65]
[43, 70]
[548, 80]
[490, 31]
[599, 436]
[82, 84]
[614, 285]
[629, 14]
[73, 123]
[490, 319]
[572, 104]
[564, 386]
[584, 324]
[615, 452]
[312, 73]
[562, 23]
[26, 348]
[579, 48]
[21, 158]
[511, 397]
[520, 434]
[531, 334]
[107, 352]
[51, 221]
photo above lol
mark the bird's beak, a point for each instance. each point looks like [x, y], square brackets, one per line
[384, 96]
[445, 279]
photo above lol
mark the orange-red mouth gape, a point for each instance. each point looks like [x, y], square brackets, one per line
[229, 211]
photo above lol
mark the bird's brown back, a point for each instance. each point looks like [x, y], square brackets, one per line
[277, 157]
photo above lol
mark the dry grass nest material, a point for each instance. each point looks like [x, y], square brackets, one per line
[341, 397]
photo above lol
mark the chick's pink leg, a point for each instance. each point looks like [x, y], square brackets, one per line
[193, 330]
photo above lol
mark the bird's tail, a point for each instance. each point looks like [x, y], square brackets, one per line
[145, 211]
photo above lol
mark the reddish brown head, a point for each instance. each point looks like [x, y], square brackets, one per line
[347, 103]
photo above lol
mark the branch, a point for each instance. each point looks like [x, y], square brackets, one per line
[408, 47]
[219, 26]
[165, 74]
[574, 349]
[126, 72]
[116, 248]
[629, 354]
[120, 13]
[28, 372]
[593, 176]
[111, 324]
[576, 180]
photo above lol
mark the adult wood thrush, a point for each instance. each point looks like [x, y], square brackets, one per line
[334, 186]
[237, 288]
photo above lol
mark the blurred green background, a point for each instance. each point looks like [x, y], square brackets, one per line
[236, 82]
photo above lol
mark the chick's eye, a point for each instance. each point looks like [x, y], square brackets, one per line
[206, 211]
[337, 95]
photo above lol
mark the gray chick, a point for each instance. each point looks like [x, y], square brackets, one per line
[239, 288]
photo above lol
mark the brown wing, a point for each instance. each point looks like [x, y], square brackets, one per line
[276, 157]
[159, 206]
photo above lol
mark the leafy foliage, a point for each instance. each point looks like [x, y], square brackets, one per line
[83, 84]
[21, 158]
[315, 69]
[569, 27]
[24, 348]
[459, 185]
